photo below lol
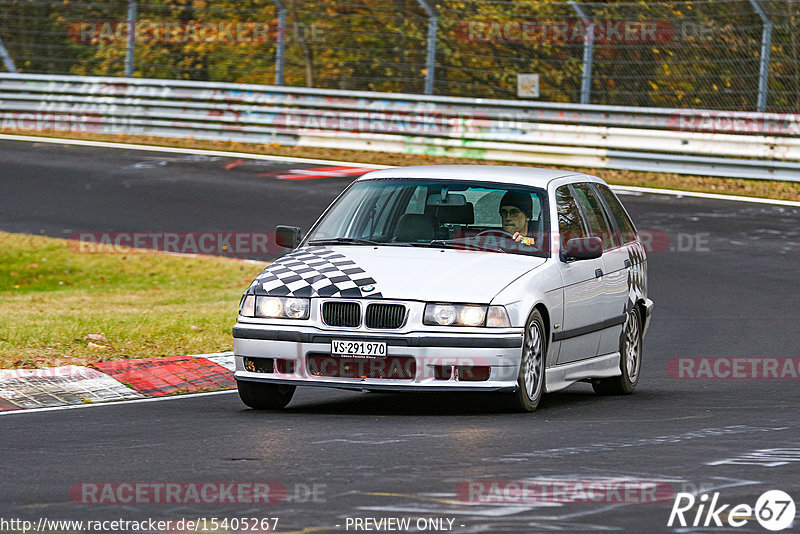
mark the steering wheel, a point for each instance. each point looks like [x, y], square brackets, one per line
[495, 232]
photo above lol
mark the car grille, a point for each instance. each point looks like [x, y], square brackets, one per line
[385, 367]
[341, 314]
[378, 315]
[385, 315]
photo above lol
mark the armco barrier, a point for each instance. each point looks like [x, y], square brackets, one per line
[730, 144]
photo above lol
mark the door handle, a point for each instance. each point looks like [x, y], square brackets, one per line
[627, 263]
[598, 273]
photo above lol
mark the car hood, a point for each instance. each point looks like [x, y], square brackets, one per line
[427, 274]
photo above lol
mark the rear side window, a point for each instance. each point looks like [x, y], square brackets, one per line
[595, 215]
[620, 215]
[570, 223]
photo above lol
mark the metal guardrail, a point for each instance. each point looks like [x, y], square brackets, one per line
[729, 144]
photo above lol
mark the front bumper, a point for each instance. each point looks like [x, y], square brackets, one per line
[301, 350]
[648, 314]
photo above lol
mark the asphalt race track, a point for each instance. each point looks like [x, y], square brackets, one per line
[725, 284]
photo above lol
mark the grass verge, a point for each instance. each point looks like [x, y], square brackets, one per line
[143, 304]
[704, 184]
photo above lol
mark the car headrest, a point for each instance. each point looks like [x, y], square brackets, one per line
[416, 227]
[456, 214]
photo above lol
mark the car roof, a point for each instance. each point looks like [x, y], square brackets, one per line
[530, 176]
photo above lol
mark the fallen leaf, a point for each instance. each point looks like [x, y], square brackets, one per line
[96, 337]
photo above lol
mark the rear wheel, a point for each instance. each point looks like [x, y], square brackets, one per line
[265, 396]
[630, 360]
[531, 378]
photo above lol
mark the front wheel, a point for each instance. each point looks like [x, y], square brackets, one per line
[630, 359]
[531, 377]
[265, 396]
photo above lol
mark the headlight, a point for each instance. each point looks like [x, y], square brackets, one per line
[442, 314]
[275, 307]
[472, 315]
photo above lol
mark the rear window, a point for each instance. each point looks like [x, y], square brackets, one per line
[624, 222]
[595, 215]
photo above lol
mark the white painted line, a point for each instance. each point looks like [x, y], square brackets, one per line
[211, 355]
[715, 196]
[173, 150]
[245, 155]
[116, 403]
[55, 386]
[223, 359]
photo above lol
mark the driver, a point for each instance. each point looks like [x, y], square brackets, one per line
[516, 210]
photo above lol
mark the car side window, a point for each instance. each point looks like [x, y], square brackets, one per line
[624, 222]
[595, 215]
[570, 222]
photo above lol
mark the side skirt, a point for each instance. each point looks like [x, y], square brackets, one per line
[561, 376]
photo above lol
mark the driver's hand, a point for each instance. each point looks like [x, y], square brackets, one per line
[517, 237]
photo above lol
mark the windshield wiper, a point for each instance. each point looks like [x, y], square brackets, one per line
[344, 241]
[355, 241]
[453, 243]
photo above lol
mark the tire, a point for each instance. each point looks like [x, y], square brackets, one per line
[630, 360]
[531, 377]
[265, 396]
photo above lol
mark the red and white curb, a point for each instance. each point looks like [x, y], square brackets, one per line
[114, 381]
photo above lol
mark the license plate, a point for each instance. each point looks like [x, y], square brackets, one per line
[358, 348]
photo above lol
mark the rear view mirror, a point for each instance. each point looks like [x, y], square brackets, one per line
[287, 236]
[452, 199]
[583, 248]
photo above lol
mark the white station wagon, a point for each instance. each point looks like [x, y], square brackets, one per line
[514, 280]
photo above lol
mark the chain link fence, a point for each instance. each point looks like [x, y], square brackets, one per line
[720, 54]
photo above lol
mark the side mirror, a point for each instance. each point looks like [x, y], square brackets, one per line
[287, 236]
[583, 248]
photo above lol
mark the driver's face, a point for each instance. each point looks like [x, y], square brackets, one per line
[514, 220]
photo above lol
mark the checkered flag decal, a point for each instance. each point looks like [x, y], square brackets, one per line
[314, 272]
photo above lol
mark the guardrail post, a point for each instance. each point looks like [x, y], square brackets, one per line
[130, 46]
[430, 60]
[588, 52]
[280, 43]
[766, 45]
[7, 61]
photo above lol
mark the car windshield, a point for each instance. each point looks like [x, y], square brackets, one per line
[436, 213]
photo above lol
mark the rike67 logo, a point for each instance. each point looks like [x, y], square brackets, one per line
[774, 510]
